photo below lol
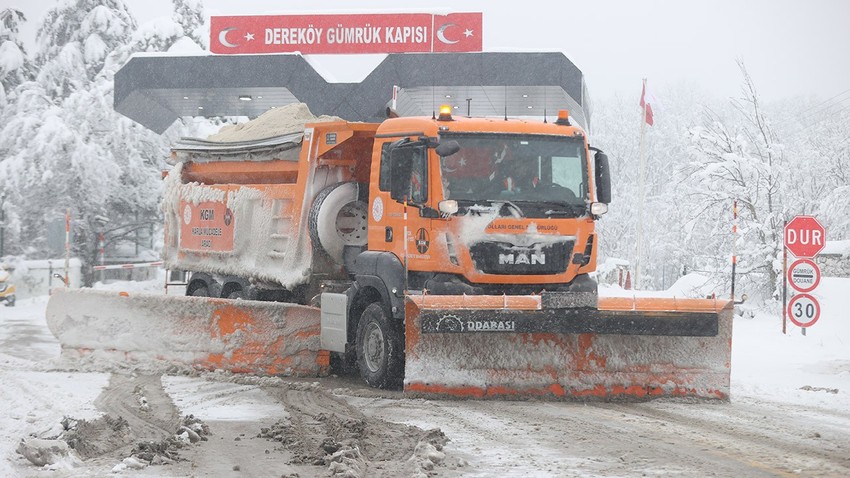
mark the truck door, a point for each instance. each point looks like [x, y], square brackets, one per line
[409, 183]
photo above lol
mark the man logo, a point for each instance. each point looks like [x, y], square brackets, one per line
[522, 258]
[422, 241]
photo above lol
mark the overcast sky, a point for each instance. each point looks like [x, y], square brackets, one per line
[791, 48]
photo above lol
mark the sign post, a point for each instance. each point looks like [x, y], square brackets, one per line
[805, 237]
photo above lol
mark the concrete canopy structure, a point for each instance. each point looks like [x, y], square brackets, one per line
[157, 90]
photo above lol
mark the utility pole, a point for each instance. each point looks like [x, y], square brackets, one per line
[2, 224]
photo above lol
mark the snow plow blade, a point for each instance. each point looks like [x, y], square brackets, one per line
[537, 346]
[262, 338]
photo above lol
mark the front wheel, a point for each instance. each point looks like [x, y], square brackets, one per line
[380, 348]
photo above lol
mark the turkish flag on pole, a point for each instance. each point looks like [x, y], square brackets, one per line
[644, 103]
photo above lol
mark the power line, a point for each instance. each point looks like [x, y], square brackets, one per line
[817, 106]
[826, 116]
[827, 110]
[825, 101]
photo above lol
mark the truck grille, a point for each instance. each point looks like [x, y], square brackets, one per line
[505, 258]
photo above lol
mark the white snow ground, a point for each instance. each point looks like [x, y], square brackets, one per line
[808, 373]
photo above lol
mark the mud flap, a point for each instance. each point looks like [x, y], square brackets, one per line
[625, 349]
[236, 335]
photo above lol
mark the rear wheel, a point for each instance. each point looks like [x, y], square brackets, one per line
[10, 302]
[380, 348]
[202, 291]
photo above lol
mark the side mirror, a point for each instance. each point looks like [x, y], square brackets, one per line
[447, 148]
[603, 178]
[400, 170]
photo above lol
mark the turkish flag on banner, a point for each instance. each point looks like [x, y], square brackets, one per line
[644, 103]
[346, 33]
[457, 32]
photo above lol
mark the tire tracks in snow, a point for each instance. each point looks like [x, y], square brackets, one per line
[531, 438]
[762, 435]
[159, 421]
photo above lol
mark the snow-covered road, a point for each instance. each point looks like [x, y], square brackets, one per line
[789, 416]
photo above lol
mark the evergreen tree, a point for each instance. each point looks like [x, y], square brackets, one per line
[189, 14]
[67, 146]
[15, 65]
[91, 28]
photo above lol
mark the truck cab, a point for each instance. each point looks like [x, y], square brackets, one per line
[487, 206]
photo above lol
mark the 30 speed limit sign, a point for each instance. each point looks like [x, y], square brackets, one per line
[804, 310]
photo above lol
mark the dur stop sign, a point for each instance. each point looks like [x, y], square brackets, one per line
[804, 236]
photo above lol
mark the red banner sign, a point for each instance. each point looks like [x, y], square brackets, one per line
[207, 226]
[318, 34]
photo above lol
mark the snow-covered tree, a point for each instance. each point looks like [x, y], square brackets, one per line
[87, 30]
[15, 65]
[666, 250]
[64, 144]
[189, 14]
[741, 159]
[823, 145]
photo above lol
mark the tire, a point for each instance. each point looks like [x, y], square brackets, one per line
[344, 364]
[10, 302]
[202, 291]
[337, 219]
[380, 348]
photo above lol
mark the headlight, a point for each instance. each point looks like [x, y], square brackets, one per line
[598, 208]
[3, 287]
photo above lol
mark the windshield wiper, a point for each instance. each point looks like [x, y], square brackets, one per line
[559, 208]
[513, 206]
[494, 205]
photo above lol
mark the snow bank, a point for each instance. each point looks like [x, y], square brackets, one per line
[33, 278]
[841, 248]
[690, 286]
[795, 368]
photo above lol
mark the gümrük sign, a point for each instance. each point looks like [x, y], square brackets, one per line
[334, 34]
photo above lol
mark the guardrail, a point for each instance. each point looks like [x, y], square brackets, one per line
[138, 265]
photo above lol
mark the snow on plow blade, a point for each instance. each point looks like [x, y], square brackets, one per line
[521, 346]
[239, 336]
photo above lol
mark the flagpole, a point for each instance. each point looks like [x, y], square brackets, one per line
[641, 168]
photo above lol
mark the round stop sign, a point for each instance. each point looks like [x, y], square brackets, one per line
[804, 275]
[804, 310]
[805, 236]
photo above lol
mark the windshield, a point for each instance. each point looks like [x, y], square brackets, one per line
[547, 170]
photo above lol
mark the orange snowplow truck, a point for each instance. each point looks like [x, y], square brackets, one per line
[448, 255]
